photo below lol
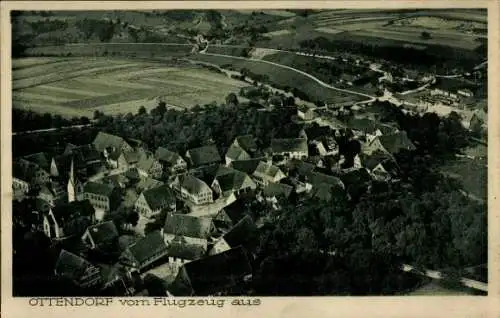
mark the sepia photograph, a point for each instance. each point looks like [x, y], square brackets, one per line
[254, 152]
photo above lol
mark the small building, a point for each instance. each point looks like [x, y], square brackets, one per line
[102, 196]
[68, 219]
[78, 270]
[273, 193]
[195, 230]
[204, 156]
[105, 141]
[193, 189]
[213, 275]
[244, 233]
[247, 166]
[145, 252]
[152, 201]
[172, 162]
[103, 235]
[228, 180]
[305, 112]
[242, 148]
[267, 173]
[149, 166]
[290, 147]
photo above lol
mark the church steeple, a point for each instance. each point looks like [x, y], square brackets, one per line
[71, 183]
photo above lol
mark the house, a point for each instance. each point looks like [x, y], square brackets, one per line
[390, 144]
[102, 196]
[41, 159]
[242, 148]
[145, 252]
[172, 162]
[247, 166]
[274, 192]
[27, 172]
[380, 165]
[465, 92]
[290, 147]
[68, 219]
[180, 251]
[101, 236]
[362, 126]
[321, 180]
[203, 156]
[193, 189]
[244, 233]
[152, 201]
[149, 166]
[129, 159]
[53, 193]
[144, 184]
[316, 132]
[267, 173]
[347, 78]
[77, 269]
[305, 112]
[196, 230]
[105, 141]
[479, 120]
[228, 180]
[213, 275]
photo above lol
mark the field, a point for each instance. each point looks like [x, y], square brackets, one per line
[78, 87]
[283, 77]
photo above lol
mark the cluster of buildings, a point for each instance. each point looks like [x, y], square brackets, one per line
[203, 241]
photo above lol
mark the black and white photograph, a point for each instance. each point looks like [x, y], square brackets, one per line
[226, 152]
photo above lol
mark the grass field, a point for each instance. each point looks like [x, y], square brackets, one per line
[78, 87]
[283, 77]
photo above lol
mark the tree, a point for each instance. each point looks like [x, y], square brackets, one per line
[232, 99]
[142, 110]
[425, 35]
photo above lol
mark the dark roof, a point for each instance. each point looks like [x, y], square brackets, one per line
[24, 170]
[41, 159]
[72, 266]
[179, 248]
[235, 211]
[148, 183]
[232, 180]
[83, 153]
[266, 169]
[365, 125]
[104, 140]
[187, 225]
[193, 184]
[237, 153]
[315, 131]
[373, 160]
[146, 162]
[134, 156]
[289, 145]
[165, 155]
[157, 197]
[277, 190]
[318, 179]
[396, 142]
[355, 177]
[247, 143]
[204, 155]
[215, 273]
[147, 247]
[302, 167]
[73, 210]
[98, 188]
[103, 233]
[247, 166]
[244, 233]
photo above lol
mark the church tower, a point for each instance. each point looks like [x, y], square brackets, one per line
[74, 186]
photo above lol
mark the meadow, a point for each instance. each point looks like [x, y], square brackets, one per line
[78, 87]
[282, 77]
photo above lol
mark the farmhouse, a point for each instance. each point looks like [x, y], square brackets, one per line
[68, 219]
[212, 275]
[152, 201]
[77, 269]
[193, 189]
[203, 156]
[102, 236]
[105, 141]
[145, 252]
[172, 162]
[290, 148]
[266, 173]
[149, 166]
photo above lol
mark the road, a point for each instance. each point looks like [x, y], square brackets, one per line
[49, 129]
[438, 275]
